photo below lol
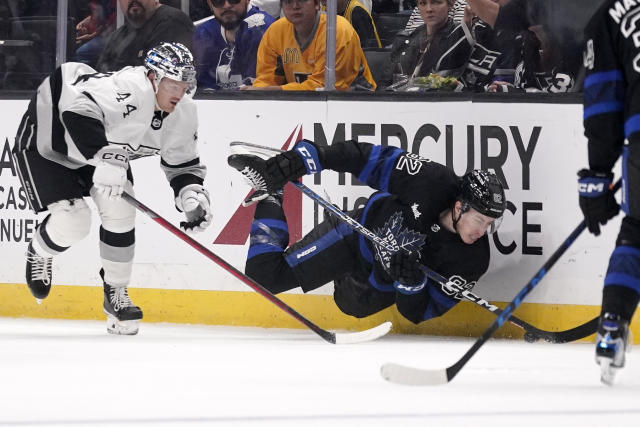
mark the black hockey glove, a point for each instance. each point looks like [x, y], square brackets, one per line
[597, 201]
[293, 164]
[405, 270]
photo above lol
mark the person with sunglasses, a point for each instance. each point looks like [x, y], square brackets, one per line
[147, 23]
[226, 47]
[430, 215]
[75, 141]
[292, 53]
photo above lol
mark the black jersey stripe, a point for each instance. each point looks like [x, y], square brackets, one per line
[57, 130]
[194, 162]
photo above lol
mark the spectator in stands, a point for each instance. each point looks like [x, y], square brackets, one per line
[291, 55]
[92, 31]
[147, 24]
[542, 60]
[360, 18]
[456, 13]
[439, 46]
[226, 47]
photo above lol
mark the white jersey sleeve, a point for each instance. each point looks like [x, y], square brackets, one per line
[176, 135]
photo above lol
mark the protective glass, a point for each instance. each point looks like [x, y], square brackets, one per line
[220, 3]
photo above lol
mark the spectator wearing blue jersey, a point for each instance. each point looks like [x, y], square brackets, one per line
[226, 46]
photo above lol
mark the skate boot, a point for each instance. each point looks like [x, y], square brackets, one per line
[254, 170]
[123, 316]
[39, 273]
[611, 342]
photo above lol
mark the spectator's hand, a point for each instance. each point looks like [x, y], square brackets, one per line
[468, 16]
[495, 86]
[86, 30]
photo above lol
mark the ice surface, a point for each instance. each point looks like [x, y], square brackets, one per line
[72, 373]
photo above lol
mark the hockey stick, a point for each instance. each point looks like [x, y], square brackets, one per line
[413, 376]
[532, 333]
[331, 337]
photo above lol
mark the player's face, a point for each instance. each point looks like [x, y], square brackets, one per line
[300, 11]
[229, 13]
[170, 92]
[138, 11]
[434, 13]
[472, 224]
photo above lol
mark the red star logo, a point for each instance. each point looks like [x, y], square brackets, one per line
[237, 229]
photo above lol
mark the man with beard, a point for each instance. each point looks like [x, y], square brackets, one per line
[226, 47]
[147, 24]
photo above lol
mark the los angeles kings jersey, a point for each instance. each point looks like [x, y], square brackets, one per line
[80, 111]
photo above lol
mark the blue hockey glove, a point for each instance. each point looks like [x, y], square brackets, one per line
[597, 201]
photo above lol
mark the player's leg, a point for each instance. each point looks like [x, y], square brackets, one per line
[117, 245]
[621, 292]
[322, 255]
[357, 298]
[57, 189]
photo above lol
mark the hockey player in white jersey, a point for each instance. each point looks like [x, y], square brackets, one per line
[76, 139]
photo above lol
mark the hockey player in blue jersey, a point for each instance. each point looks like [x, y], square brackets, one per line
[435, 218]
[226, 46]
[611, 115]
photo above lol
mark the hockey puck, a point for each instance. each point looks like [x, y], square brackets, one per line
[530, 337]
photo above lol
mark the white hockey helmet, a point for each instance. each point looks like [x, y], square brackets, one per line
[173, 61]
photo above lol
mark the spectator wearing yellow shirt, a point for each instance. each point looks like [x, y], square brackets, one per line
[291, 55]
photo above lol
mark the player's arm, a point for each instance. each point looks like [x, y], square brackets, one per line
[419, 298]
[180, 161]
[609, 88]
[604, 95]
[384, 168]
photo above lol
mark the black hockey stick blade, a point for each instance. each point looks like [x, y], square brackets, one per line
[331, 337]
[532, 333]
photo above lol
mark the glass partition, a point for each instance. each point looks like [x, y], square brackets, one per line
[539, 50]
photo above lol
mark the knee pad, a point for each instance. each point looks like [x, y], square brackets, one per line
[117, 215]
[69, 222]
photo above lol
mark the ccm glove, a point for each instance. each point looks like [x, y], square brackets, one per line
[110, 175]
[405, 270]
[597, 201]
[292, 165]
[194, 201]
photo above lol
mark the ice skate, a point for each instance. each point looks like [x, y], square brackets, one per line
[39, 273]
[123, 316]
[611, 342]
[254, 170]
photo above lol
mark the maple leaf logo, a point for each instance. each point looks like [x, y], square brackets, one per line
[400, 237]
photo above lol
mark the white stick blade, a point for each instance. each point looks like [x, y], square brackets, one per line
[364, 336]
[412, 376]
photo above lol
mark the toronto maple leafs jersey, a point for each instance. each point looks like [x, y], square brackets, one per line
[406, 211]
[611, 99]
[80, 111]
[225, 65]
